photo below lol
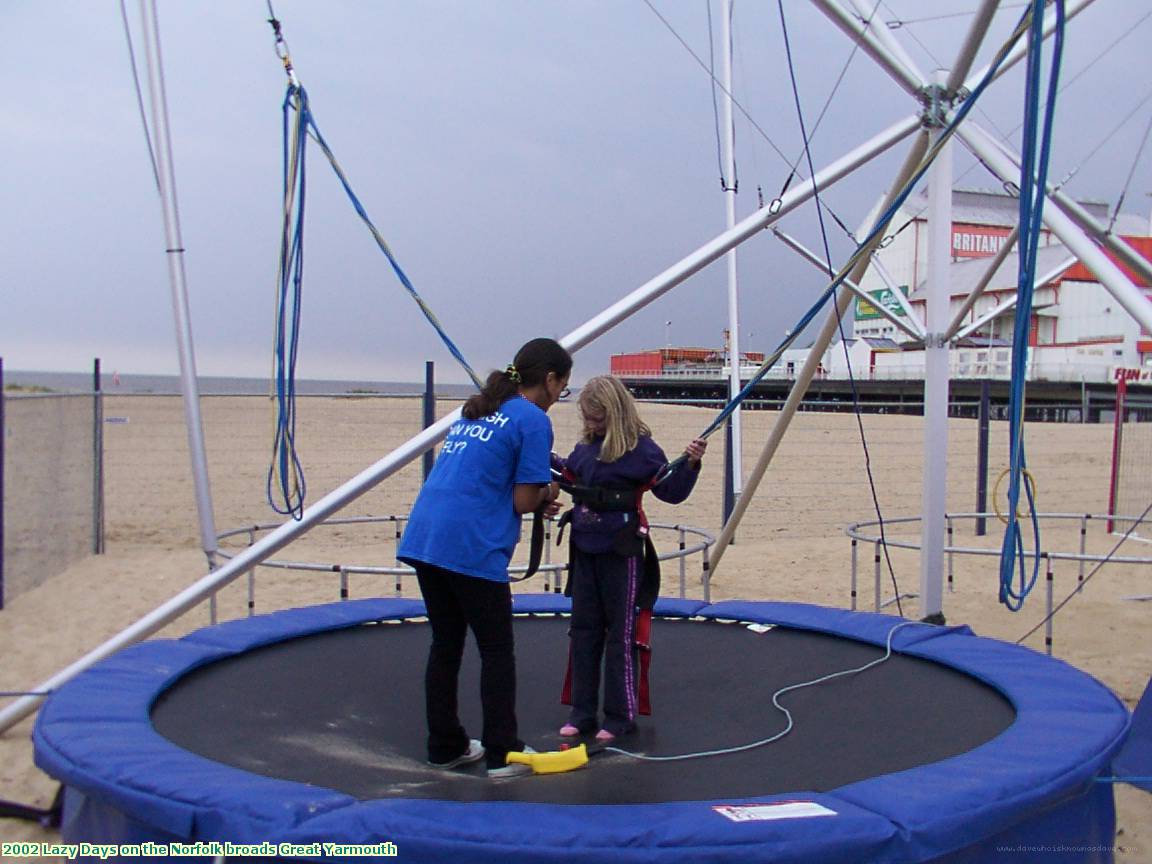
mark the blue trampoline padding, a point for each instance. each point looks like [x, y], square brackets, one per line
[1134, 763]
[1032, 785]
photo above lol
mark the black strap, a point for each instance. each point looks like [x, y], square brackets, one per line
[605, 500]
[536, 548]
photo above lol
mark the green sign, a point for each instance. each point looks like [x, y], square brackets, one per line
[884, 298]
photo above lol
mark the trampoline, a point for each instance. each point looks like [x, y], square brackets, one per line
[306, 727]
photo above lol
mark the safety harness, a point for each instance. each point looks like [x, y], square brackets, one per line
[602, 499]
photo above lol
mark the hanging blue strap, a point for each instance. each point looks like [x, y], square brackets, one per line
[314, 130]
[1015, 581]
[286, 484]
[286, 487]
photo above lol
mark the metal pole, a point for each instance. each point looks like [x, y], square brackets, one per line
[1072, 9]
[1117, 445]
[735, 482]
[729, 501]
[982, 458]
[951, 556]
[429, 410]
[3, 438]
[844, 19]
[748, 227]
[967, 54]
[407, 452]
[1110, 276]
[1085, 220]
[1083, 548]
[981, 286]
[808, 370]
[935, 478]
[1048, 616]
[911, 326]
[97, 461]
[876, 572]
[855, 564]
[175, 253]
[885, 38]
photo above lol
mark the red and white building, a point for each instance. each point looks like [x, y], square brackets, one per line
[1077, 332]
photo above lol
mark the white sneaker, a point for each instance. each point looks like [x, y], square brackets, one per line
[514, 769]
[474, 753]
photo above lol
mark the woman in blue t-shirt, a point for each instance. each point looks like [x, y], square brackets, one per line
[493, 467]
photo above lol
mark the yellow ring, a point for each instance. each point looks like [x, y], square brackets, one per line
[996, 490]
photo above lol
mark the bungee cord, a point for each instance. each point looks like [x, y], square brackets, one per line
[285, 474]
[1015, 583]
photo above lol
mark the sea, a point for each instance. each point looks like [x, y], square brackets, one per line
[16, 381]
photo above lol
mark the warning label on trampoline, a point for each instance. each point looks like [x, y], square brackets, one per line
[770, 812]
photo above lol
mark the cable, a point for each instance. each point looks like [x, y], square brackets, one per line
[140, 96]
[1106, 139]
[839, 320]
[643, 757]
[723, 89]
[1131, 172]
[716, 108]
[896, 23]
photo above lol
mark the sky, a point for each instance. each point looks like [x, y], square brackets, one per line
[529, 162]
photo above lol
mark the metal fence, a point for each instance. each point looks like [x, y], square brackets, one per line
[51, 485]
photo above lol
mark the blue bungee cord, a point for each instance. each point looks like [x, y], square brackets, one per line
[286, 474]
[1035, 157]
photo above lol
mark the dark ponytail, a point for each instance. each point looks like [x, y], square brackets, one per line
[533, 362]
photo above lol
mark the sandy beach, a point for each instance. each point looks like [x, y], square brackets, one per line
[791, 545]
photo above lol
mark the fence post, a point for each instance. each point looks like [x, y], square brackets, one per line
[982, 458]
[3, 438]
[1117, 444]
[729, 500]
[97, 461]
[429, 410]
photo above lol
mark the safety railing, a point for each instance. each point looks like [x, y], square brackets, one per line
[859, 533]
[689, 541]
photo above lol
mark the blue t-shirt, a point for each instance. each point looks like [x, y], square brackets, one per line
[463, 519]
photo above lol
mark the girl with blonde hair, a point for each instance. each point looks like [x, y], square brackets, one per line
[615, 462]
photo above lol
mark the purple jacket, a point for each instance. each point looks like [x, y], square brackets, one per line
[594, 532]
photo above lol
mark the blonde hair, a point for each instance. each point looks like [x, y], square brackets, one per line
[623, 427]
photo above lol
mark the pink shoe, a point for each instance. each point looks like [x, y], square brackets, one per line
[569, 731]
[605, 737]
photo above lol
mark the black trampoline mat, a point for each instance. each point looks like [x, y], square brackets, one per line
[345, 710]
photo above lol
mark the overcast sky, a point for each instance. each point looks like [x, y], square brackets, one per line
[528, 162]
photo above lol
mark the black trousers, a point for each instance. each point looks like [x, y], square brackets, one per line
[457, 603]
[603, 632]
